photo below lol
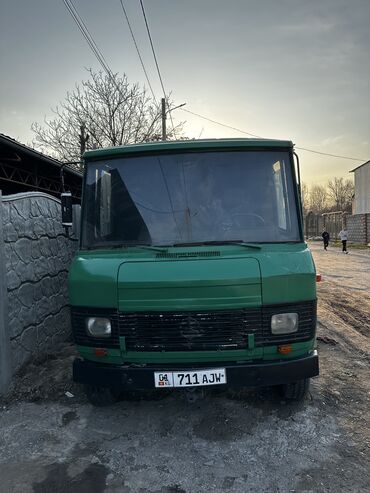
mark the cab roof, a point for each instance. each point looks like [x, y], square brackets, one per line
[186, 145]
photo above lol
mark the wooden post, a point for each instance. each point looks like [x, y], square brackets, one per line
[164, 131]
[83, 139]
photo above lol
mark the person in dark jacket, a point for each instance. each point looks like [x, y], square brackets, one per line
[326, 237]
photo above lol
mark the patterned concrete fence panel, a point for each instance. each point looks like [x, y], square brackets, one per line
[36, 255]
[357, 228]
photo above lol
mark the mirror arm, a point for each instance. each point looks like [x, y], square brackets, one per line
[298, 169]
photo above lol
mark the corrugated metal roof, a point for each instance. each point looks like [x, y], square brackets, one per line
[36, 154]
[355, 169]
[24, 169]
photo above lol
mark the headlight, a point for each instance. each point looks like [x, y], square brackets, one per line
[284, 323]
[98, 327]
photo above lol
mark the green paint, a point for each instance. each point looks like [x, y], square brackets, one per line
[192, 356]
[193, 284]
[133, 280]
[93, 280]
[118, 356]
[288, 276]
[299, 349]
[188, 145]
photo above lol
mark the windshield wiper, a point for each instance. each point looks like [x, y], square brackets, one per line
[128, 245]
[220, 242]
[151, 247]
[234, 242]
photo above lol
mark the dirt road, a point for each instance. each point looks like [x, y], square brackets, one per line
[352, 270]
[249, 442]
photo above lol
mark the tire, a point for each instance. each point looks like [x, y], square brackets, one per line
[295, 391]
[101, 396]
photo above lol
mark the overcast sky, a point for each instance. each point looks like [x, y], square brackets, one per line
[292, 69]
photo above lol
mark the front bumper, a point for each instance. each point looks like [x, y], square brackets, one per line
[130, 377]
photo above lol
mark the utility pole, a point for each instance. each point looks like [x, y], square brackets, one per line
[83, 139]
[164, 133]
[164, 116]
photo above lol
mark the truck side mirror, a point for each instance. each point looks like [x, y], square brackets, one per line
[66, 200]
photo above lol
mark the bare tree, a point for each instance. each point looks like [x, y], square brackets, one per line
[318, 199]
[341, 192]
[112, 111]
[305, 197]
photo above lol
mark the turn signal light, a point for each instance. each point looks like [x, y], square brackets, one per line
[99, 351]
[285, 349]
[318, 277]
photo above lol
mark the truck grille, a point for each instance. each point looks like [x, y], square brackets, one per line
[190, 331]
[194, 331]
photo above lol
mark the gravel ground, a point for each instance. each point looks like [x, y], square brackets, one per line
[352, 270]
[222, 442]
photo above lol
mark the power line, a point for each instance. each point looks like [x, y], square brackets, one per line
[91, 42]
[156, 63]
[88, 37]
[259, 137]
[101, 59]
[93, 45]
[331, 155]
[138, 51]
[222, 124]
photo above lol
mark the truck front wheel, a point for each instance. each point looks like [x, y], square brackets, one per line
[295, 391]
[101, 396]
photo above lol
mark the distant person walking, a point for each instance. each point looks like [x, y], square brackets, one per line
[326, 238]
[343, 235]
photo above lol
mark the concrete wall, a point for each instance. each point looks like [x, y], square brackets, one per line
[5, 360]
[36, 257]
[362, 190]
[358, 228]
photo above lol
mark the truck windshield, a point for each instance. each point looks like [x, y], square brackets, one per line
[190, 198]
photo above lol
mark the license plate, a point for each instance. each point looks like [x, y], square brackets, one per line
[166, 379]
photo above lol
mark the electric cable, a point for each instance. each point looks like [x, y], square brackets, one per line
[87, 35]
[138, 51]
[259, 137]
[156, 63]
[222, 124]
[331, 155]
[91, 42]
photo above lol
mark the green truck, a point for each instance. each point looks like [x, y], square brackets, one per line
[192, 270]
